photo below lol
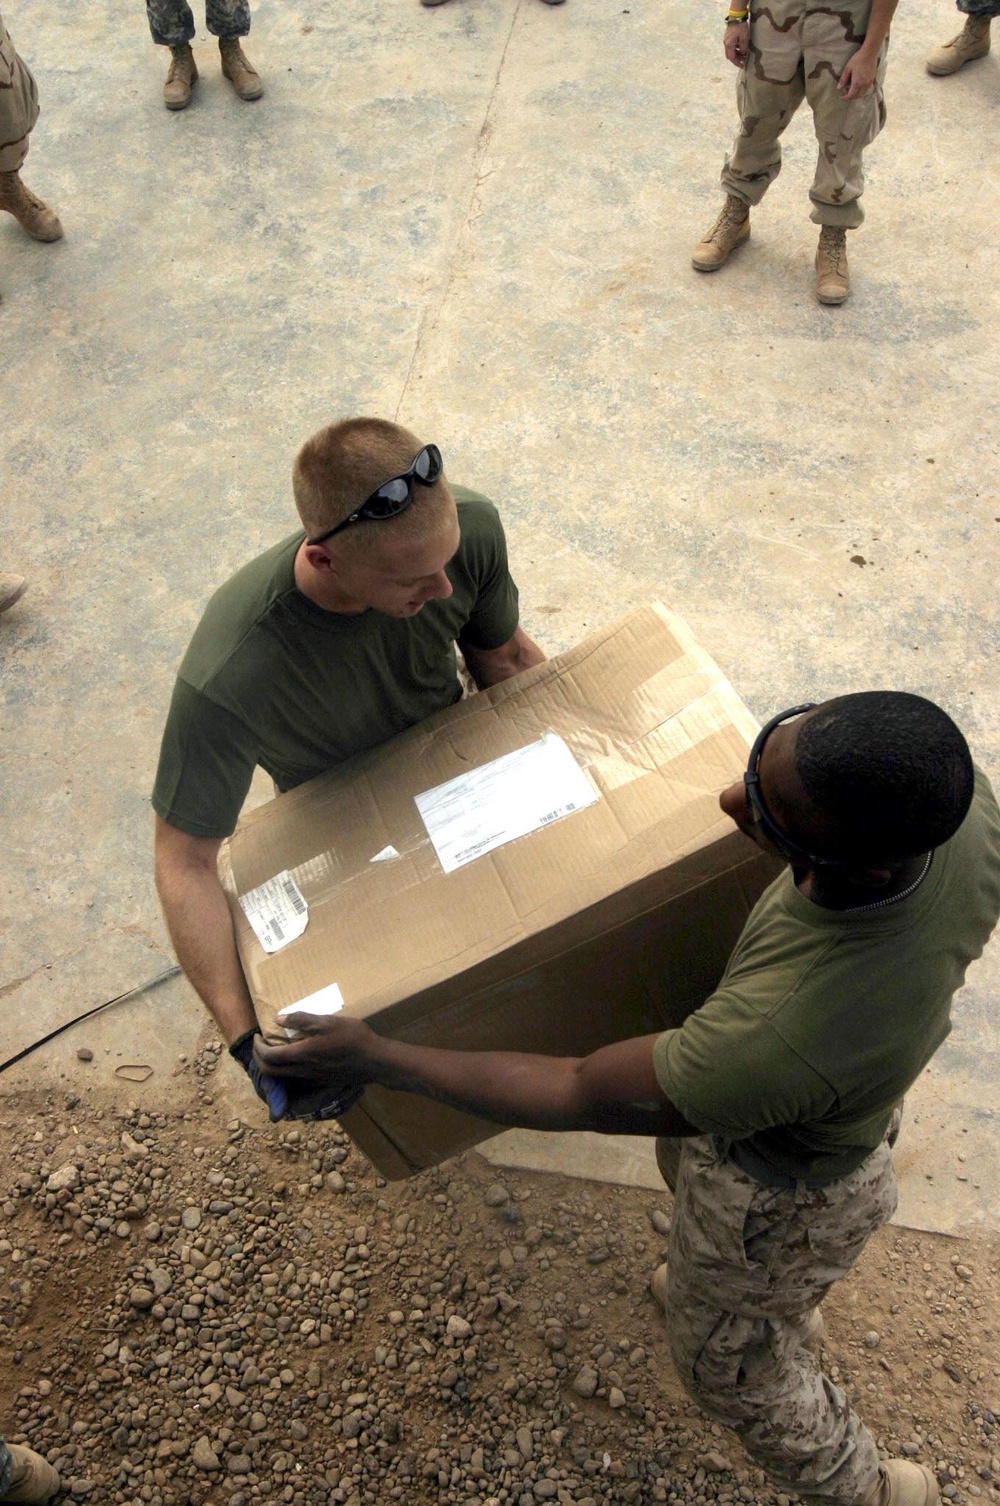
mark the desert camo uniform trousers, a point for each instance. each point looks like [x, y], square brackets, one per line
[172, 23]
[747, 1263]
[18, 104]
[798, 50]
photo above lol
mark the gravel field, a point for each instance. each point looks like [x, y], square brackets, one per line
[225, 1313]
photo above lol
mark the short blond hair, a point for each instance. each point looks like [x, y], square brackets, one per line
[344, 463]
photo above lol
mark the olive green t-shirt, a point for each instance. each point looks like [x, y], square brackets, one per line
[270, 678]
[824, 1018]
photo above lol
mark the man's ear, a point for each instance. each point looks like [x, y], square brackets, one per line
[317, 557]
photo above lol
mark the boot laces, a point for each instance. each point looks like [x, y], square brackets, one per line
[834, 248]
[235, 58]
[732, 214]
[17, 193]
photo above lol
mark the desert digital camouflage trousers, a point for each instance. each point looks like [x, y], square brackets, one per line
[798, 50]
[172, 23]
[747, 1264]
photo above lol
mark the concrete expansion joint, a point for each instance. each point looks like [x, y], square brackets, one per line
[134, 932]
[16, 983]
[429, 322]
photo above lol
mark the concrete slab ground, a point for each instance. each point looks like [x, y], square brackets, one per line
[477, 219]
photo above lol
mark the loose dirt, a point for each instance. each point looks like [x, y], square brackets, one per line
[224, 1313]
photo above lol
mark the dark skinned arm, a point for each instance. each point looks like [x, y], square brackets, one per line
[613, 1091]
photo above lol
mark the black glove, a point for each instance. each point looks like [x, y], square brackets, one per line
[295, 1099]
[317, 1100]
[272, 1091]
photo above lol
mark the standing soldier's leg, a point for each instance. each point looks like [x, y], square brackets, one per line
[748, 1263]
[769, 89]
[229, 20]
[172, 25]
[25, 1475]
[972, 42]
[844, 127]
[18, 113]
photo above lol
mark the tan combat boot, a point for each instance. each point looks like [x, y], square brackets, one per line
[29, 211]
[973, 41]
[180, 77]
[902, 1483]
[12, 588]
[833, 280]
[32, 1478]
[241, 73]
[730, 230]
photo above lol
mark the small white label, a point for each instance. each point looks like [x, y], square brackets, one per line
[385, 856]
[328, 1000]
[276, 910]
[494, 804]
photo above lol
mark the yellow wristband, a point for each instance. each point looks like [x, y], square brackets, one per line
[735, 18]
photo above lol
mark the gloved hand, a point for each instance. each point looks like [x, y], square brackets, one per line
[269, 1089]
[291, 1100]
[317, 1100]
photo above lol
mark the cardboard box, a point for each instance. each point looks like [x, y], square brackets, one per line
[612, 921]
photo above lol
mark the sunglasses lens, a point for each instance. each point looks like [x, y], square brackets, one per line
[388, 500]
[427, 467]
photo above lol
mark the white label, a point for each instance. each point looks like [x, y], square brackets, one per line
[500, 801]
[328, 1000]
[276, 910]
[385, 856]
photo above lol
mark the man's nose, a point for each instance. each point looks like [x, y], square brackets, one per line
[442, 587]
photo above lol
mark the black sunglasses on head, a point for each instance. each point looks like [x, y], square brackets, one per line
[393, 496]
[786, 845]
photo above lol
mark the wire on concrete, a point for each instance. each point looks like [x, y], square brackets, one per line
[130, 993]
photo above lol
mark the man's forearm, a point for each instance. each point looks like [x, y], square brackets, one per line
[490, 666]
[201, 930]
[531, 1092]
[879, 19]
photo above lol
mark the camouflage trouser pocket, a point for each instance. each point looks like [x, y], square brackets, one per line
[865, 1200]
[769, 1230]
[862, 119]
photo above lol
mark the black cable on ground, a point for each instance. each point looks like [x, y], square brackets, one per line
[130, 993]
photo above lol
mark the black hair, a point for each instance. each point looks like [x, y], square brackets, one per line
[891, 769]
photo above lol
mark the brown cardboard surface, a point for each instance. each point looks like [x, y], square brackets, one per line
[614, 921]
